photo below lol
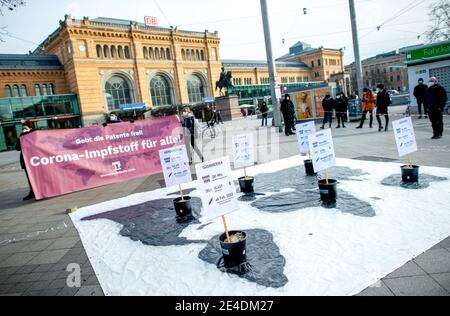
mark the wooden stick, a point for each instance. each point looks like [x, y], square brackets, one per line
[181, 193]
[226, 229]
[326, 176]
[309, 154]
[410, 162]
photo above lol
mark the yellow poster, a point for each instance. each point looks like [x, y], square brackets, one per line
[303, 103]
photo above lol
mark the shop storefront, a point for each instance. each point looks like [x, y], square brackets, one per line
[45, 112]
[428, 61]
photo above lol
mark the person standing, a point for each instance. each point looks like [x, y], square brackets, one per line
[27, 129]
[288, 111]
[383, 102]
[435, 100]
[420, 92]
[341, 110]
[328, 107]
[264, 112]
[368, 107]
[189, 123]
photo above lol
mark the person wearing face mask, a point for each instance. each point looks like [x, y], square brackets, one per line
[419, 93]
[27, 128]
[341, 107]
[383, 102]
[288, 111]
[188, 121]
[368, 107]
[435, 100]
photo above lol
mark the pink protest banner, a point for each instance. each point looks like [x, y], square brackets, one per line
[65, 161]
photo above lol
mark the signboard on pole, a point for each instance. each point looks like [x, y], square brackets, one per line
[304, 130]
[175, 164]
[405, 136]
[151, 21]
[243, 151]
[217, 186]
[133, 107]
[322, 150]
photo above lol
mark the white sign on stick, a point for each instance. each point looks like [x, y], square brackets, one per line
[217, 186]
[322, 150]
[304, 130]
[243, 151]
[405, 136]
[175, 164]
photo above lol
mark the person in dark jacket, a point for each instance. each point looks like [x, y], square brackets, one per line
[328, 107]
[288, 111]
[112, 119]
[420, 92]
[383, 102]
[27, 128]
[265, 113]
[341, 107]
[435, 100]
[188, 122]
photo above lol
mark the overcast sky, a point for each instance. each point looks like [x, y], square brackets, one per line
[238, 22]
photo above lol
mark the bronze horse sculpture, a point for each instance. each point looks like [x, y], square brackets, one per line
[224, 81]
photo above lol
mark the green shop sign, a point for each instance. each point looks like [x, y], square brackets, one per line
[429, 52]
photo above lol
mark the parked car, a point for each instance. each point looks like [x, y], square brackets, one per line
[447, 108]
[393, 92]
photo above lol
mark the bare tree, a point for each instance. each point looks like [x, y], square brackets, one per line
[9, 5]
[440, 15]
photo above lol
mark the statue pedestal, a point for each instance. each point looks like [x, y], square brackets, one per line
[228, 107]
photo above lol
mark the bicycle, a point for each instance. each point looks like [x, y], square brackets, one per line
[210, 130]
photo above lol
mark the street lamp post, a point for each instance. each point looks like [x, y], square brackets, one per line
[359, 72]
[272, 69]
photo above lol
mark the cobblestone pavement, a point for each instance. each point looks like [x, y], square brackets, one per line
[38, 240]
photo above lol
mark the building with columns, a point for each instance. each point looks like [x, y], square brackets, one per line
[110, 62]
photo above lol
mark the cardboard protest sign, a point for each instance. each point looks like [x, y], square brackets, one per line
[405, 136]
[322, 150]
[304, 130]
[175, 164]
[243, 151]
[217, 186]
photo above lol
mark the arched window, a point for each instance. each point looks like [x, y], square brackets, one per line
[163, 54]
[16, 91]
[120, 52]
[196, 89]
[168, 54]
[157, 55]
[192, 54]
[183, 54]
[24, 91]
[37, 90]
[127, 52]
[151, 53]
[118, 91]
[8, 91]
[160, 91]
[113, 52]
[52, 89]
[198, 55]
[105, 51]
[44, 89]
[202, 54]
[188, 54]
[99, 52]
[145, 53]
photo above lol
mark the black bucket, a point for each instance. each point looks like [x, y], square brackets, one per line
[328, 192]
[183, 207]
[234, 254]
[246, 184]
[309, 168]
[410, 175]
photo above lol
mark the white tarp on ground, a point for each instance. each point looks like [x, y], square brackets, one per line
[327, 252]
